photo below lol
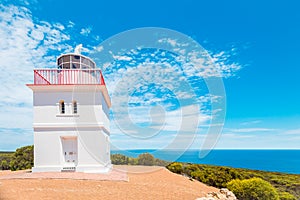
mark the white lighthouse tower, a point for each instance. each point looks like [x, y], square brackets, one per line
[71, 117]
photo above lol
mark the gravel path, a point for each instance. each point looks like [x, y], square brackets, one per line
[149, 183]
[113, 175]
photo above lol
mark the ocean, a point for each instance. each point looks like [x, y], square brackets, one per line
[286, 161]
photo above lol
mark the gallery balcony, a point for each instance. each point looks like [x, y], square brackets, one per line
[68, 77]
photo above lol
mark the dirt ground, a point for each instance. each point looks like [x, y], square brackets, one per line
[141, 183]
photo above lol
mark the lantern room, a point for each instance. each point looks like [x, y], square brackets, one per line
[75, 61]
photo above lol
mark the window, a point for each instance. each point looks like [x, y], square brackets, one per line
[62, 108]
[66, 109]
[74, 104]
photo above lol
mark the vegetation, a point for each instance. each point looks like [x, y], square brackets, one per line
[5, 158]
[286, 185]
[286, 196]
[22, 158]
[119, 159]
[253, 189]
[143, 159]
[175, 167]
[246, 184]
[146, 159]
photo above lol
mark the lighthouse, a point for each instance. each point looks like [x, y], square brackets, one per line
[71, 117]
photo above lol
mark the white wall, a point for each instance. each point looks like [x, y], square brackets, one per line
[47, 149]
[90, 109]
[90, 125]
[93, 147]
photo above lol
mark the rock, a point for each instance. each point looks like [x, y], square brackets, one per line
[223, 194]
[223, 190]
[215, 195]
[227, 193]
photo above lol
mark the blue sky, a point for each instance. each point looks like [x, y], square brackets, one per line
[257, 41]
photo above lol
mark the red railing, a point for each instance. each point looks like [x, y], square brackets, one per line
[68, 77]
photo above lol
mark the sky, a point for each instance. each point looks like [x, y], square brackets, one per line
[248, 48]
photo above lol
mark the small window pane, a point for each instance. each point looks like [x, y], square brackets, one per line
[60, 60]
[85, 61]
[67, 58]
[75, 107]
[66, 66]
[62, 107]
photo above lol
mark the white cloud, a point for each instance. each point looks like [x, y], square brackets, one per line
[251, 122]
[126, 58]
[202, 63]
[235, 136]
[170, 41]
[71, 24]
[86, 31]
[249, 130]
[98, 48]
[25, 45]
[222, 62]
[292, 132]
[133, 94]
[257, 141]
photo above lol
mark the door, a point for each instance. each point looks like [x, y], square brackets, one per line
[70, 150]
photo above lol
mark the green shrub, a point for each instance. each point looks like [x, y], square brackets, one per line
[237, 175]
[219, 179]
[286, 196]
[175, 167]
[146, 159]
[119, 159]
[22, 158]
[159, 162]
[219, 176]
[190, 168]
[4, 165]
[5, 158]
[143, 159]
[133, 161]
[200, 176]
[253, 189]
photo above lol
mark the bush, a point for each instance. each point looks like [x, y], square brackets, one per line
[253, 189]
[189, 169]
[133, 161]
[159, 162]
[143, 159]
[200, 176]
[146, 159]
[22, 158]
[286, 196]
[218, 179]
[5, 159]
[288, 184]
[119, 159]
[4, 165]
[175, 167]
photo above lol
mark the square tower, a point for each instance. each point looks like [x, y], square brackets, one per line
[71, 117]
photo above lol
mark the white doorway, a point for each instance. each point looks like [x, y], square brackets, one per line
[69, 147]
